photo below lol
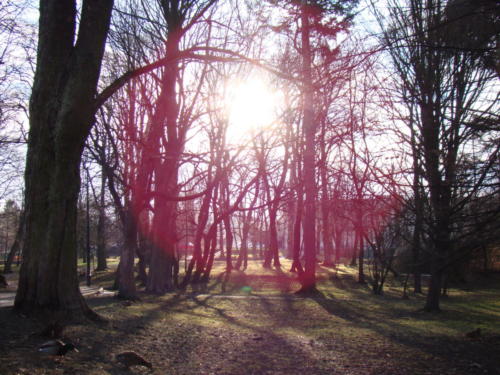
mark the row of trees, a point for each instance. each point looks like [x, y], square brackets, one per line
[16, 46]
[369, 150]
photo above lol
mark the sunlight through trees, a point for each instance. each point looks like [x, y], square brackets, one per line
[179, 134]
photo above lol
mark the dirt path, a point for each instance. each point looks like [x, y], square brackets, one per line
[8, 294]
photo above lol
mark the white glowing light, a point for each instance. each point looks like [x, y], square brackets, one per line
[252, 106]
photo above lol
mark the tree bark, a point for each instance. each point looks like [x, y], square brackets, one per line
[126, 281]
[242, 261]
[62, 108]
[229, 244]
[124, 276]
[247, 221]
[308, 279]
[16, 245]
[418, 200]
[163, 256]
[101, 229]
[325, 213]
[296, 264]
[361, 257]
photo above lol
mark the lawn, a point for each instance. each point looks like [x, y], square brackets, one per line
[254, 324]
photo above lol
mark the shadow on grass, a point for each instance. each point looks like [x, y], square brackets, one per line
[382, 315]
[194, 333]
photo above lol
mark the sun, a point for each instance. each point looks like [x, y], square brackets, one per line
[252, 106]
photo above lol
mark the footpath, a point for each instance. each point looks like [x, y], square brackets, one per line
[8, 294]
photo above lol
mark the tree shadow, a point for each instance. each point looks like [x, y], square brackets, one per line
[388, 324]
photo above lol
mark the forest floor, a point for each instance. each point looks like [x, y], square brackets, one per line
[254, 324]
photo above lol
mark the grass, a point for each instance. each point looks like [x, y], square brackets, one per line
[228, 329]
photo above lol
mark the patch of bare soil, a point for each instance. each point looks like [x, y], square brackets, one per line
[192, 334]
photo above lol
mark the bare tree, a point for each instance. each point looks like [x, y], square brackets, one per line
[61, 113]
[450, 93]
[17, 48]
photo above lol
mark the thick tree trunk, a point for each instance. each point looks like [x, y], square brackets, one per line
[164, 232]
[163, 257]
[61, 114]
[142, 255]
[434, 291]
[441, 249]
[440, 197]
[125, 272]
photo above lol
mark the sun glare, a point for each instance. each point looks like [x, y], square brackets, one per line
[252, 106]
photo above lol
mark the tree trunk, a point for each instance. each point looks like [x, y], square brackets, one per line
[62, 107]
[296, 264]
[243, 255]
[229, 243]
[166, 170]
[419, 209]
[101, 230]
[417, 283]
[221, 242]
[163, 259]
[247, 222]
[361, 252]
[325, 204]
[16, 246]
[142, 255]
[308, 279]
[354, 255]
[272, 253]
[124, 276]
[434, 291]
[196, 260]
[211, 247]
[327, 237]
[440, 194]
[125, 272]
[338, 241]
[290, 220]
